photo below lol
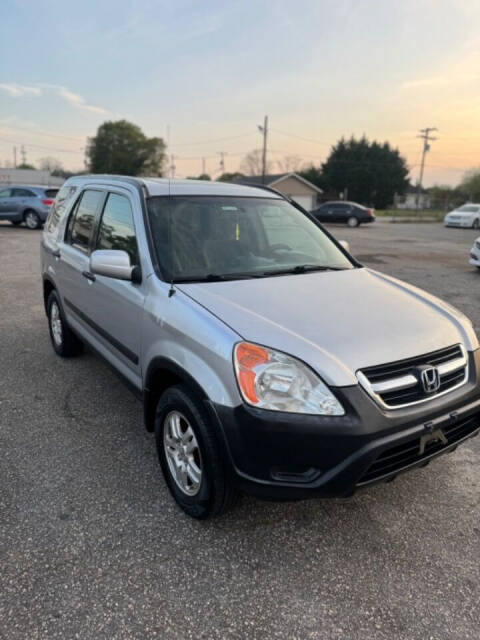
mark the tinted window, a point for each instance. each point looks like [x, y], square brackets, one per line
[5, 193]
[51, 193]
[83, 218]
[23, 193]
[117, 230]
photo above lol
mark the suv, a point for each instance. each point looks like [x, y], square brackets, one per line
[351, 213]
[268, 360]
[30, 205]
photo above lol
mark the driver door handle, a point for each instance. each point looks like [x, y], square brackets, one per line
[88, 275]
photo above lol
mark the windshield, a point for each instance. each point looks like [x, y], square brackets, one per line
[219, 237]
[469, 208]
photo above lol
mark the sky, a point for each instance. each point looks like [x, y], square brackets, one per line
[202, 75]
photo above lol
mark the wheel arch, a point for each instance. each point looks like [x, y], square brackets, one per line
[161, 374]
[48, 287]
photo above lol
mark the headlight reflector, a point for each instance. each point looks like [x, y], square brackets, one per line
[270, 379]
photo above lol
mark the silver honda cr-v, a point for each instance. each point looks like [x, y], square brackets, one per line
[267, 358]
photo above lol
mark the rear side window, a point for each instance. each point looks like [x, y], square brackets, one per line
[82, 220]
[63, 198]
[5, 193]
[51, 193]
[23, 193]
[117, 230]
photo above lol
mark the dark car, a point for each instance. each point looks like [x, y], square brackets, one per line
[351, 213]
[27, 204]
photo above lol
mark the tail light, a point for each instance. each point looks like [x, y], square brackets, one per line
[48, 202]
[371, 212]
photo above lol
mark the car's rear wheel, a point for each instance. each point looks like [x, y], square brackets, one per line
[31, 219]
[64, 341]
[353, 222]
[476, 224]
[190, 455]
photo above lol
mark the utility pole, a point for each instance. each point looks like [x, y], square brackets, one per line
[23, 153]
[427, 138]
[172, 166]
[222, 155]
[264, 130]
[203, 166]
[14, 157]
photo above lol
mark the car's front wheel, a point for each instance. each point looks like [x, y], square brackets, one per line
[190, 455]
[32, 219]
[476, 224]
[64, 341]
[353, 222]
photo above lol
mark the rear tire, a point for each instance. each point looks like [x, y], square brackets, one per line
[32, 219]
[64, 341]
[190, 455]
[353, 222]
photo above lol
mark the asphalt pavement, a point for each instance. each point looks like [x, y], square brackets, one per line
[92, 546]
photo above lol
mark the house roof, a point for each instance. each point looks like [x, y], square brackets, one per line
[274, 178]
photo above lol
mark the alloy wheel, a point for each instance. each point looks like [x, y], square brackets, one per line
[182, 453]
[56, 324]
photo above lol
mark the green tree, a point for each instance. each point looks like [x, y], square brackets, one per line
[230, 177]
[371, 173]
[314, 175]
[122, 148]
[24, 165]
[470, 185]
[202, 176]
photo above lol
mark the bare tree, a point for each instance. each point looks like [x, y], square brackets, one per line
[290, 163]
[50, 164]
[251, 165]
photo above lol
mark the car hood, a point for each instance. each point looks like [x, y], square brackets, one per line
[336, 321]
[461, 214]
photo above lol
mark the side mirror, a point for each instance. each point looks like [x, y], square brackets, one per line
[345, 245]
[113, 264]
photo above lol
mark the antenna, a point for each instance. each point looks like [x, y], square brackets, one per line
[172, 289]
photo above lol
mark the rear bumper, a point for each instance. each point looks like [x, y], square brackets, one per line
[289, 456]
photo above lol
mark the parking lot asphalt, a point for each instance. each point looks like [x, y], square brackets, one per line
[92, 546]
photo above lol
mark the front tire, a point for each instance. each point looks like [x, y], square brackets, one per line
[190, 455]
[64, 341]
[32, 219]
[476, 224]
[353, 222]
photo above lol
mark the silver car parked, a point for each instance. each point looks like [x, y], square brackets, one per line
[268, 360]
[31, 205]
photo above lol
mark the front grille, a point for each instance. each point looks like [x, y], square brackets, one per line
[397, 384]
[402, 456]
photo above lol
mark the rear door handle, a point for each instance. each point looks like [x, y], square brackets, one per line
[88, 275]
[56, 253]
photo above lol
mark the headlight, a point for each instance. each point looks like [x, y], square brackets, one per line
[272, 380]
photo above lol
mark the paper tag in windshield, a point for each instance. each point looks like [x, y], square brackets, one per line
[230, 209]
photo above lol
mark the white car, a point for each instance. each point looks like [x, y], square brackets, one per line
[475, 254]
[468, 215]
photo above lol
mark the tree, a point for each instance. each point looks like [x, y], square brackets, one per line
[252, 163]
[24, 165]
[231, 177]
[289, 164]
[371, 173]
[470, 185]
[50, 164]
[314, 175]
[122, 148]
[202, 176]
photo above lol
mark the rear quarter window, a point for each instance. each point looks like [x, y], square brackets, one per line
[51, 193]
[63, 199]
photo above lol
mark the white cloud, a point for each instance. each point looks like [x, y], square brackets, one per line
[78, 101]
[17, 90]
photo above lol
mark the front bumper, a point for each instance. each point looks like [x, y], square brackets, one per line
[290, 456]
[475, 257]
[465, 223]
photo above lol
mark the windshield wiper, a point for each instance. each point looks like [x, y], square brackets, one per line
[302, 268]
[218, 277]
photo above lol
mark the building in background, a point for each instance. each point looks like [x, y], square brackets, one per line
[32, 177]
[291, 185]
[409, 199]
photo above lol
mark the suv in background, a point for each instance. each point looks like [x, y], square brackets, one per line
[30, 205]
[351, 213]
[268, 360]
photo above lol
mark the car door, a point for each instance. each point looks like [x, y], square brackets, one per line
[115, 306]
[22, 199]
[6, 204]
[72, 260]
[323, 213]
[339, 210]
